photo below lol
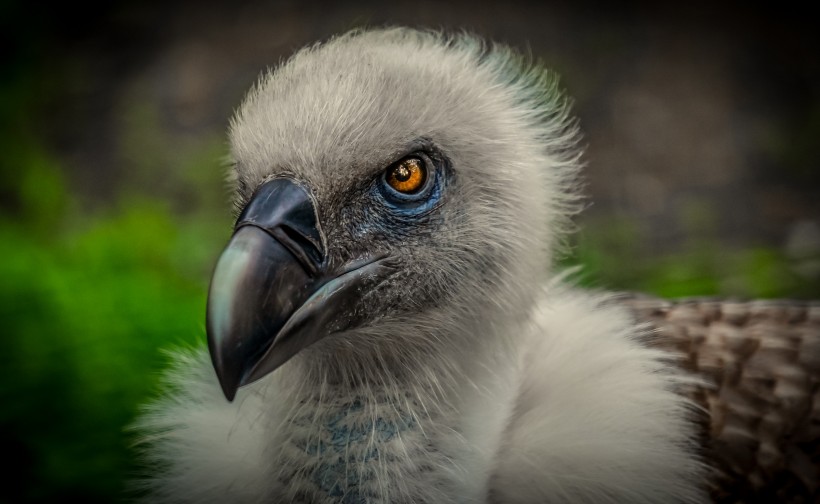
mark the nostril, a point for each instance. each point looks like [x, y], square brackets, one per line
[302, 247]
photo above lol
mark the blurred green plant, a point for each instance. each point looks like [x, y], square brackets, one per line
[89, 300]
[611, 253]
[86, 313]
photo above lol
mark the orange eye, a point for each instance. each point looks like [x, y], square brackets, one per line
[407, 176]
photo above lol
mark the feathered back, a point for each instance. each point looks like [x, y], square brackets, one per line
[761, 362]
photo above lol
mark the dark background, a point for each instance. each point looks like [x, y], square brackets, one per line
[702, 126]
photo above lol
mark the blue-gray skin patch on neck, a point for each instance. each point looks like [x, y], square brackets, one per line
[349, 446]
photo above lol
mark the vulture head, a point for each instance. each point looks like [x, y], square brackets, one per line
[398, 198]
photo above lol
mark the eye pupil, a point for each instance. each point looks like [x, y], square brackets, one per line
[402, 173]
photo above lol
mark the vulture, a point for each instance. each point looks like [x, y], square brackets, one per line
[386, 324]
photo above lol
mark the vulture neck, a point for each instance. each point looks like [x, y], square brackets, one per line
[395, 419]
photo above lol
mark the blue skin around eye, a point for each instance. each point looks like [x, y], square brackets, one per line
[409, 206]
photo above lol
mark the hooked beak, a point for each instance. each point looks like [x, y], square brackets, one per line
[271, 293]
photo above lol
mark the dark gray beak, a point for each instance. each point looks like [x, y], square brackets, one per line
[271, 294]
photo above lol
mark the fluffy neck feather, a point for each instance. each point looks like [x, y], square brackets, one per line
[410, 424]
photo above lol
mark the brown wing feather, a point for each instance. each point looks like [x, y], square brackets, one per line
[761, 364]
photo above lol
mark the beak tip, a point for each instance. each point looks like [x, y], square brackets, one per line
[229, 382]
[228, 385]
[230, 393]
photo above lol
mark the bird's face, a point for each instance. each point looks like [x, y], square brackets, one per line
[391, 189]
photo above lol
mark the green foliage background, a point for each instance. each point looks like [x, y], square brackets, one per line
[90, 295]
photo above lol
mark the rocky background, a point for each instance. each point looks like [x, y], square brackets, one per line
[702, 127]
